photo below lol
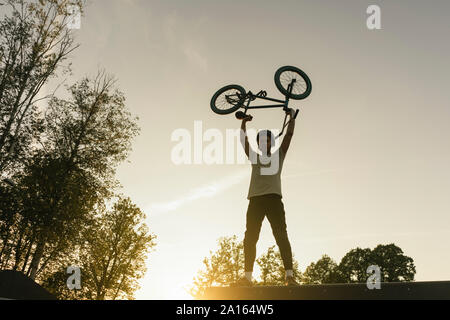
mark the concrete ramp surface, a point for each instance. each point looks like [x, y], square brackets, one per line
[390, 291]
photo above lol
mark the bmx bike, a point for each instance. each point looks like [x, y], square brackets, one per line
[292, 82]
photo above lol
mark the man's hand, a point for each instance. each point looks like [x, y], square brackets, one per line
[242, 116]
[291, 113]
[247, 118]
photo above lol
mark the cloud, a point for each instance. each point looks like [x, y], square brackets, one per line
[195, 57]
[181, 36]
[205, 191]
[310, 173]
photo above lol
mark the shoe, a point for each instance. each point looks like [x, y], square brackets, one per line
[290, 282]
[243, 282]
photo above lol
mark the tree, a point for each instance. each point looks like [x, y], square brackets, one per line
[93, 129]
[9, 215]
[83, 140]
[91, 133]
[394, 265]
[226, 266]
[353, 266]
[112, 257]
[272, 268]
[60, 157]
[34, 43]
[323, 271]
[223, 267]
[115, 251]
[34, 231]
[56, 281]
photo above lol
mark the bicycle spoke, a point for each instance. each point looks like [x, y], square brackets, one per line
[227, 99]
[299, 86]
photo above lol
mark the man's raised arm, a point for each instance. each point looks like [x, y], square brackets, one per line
[289, 133]
[244, 138]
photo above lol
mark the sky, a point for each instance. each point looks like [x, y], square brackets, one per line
[368, 163]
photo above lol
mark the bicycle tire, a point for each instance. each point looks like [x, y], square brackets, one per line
[231, 104]
[301, 88]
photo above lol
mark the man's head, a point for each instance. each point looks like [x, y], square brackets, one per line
[266, 140]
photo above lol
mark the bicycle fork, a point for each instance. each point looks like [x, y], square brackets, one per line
[287, 109]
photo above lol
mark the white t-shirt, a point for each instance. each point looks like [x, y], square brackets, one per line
[266, 173]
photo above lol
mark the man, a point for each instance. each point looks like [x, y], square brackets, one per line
[265, 198]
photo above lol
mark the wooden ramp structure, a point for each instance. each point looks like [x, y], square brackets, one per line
[426, 290]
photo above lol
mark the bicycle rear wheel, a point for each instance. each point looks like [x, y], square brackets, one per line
[228, 99]
[302, 85]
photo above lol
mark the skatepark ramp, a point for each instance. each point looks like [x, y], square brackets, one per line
[389, 291]
[16, 286]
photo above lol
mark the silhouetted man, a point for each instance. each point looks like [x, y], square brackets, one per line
[265, 198]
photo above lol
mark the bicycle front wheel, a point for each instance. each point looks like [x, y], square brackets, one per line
[228, 99]
[301, 87]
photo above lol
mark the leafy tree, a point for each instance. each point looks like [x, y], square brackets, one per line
[34, 43]
[9, 217]
[394, 265]
[323, 271]
[112, 257]
[41, 233]
[223, 267]
[226, 266]
[353, 266]
[93, 129]
[83, 141]
[60, 157]
[272, 268]
[56, 281]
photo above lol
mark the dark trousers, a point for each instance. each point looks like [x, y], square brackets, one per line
[269, 205]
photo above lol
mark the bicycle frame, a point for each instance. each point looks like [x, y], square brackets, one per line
[282, 104]
[251, 97]
[262, 95]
